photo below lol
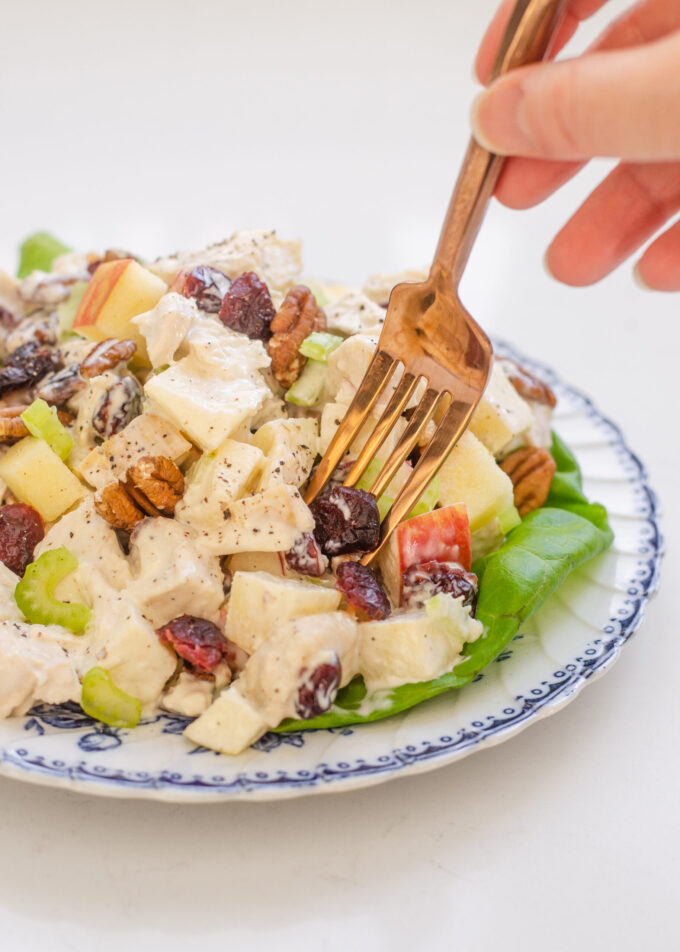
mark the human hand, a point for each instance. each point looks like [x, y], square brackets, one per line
[620, 99]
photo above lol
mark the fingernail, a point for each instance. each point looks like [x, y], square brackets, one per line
[498, 120]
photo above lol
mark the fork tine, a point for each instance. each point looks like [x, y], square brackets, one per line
[409, 439]
[445, 438]
[391, 414]
[374, 382]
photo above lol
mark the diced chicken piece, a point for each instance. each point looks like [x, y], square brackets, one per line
[216, 388]
[32, 670]
[8, 605]
[216, 480]
[165, 326]
[291, 447]
[379, 286]
[331, 417]
[146, 435]
[501, 414]
[269, 521]
[189, 696]
[171, 574]
[354, 313]
[10, 298]
[259, 603]
[121, 640]
[276, 260]
[93, 542]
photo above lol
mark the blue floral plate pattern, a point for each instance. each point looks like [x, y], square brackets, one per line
[575, 637]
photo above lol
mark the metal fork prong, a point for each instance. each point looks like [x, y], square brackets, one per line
[409, 439]
[375, 380]
[391, 414]
[445, 437]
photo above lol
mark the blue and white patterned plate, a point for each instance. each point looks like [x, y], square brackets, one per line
[574, 638]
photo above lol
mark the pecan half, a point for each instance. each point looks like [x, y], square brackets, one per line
[527, 384]
[297, 317]
[105, 355]
[155, 484]
[113, 503]
[531, 471]
[12, 427]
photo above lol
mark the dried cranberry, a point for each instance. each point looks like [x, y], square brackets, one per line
[426, 579]
[318, 688]
[306, 557]
[247, 307]
[60, 386]
[207, 286]
[26, 365]
[362, 590]
[119, 404]
[21, 529]
[197, 640]
[347, 520]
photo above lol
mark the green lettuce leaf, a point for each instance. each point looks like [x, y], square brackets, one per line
[514, 581]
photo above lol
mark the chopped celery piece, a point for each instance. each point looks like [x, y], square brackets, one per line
[319, 345]
[426, 503]
[508, 519]
[320, 295]
[103, 701]
[309, 386]
[34, 594]
[429, 499]
[38, 252]
[67, 311]
[42, 421]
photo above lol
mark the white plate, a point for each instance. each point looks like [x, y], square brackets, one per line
[575, 637]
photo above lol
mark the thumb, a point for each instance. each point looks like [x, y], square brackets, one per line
[623, 104]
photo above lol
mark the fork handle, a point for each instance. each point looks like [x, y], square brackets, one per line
[527, 39]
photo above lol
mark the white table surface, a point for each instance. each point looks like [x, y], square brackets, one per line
[155, 125]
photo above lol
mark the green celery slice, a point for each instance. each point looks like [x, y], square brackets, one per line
[42, 421]
[35, 598]
[426, 503]
[309, 386]
[38, 252]
[319, 345]
[105, 702]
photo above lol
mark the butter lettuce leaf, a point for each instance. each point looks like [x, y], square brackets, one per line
[514, 581]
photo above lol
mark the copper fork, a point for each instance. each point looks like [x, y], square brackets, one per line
[428, 334]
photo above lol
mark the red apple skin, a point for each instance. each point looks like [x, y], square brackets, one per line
[100, 286]
[178, 283]
[442, 535]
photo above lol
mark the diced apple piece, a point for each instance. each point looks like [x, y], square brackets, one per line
[472, 476]
[442, 535]
[230, 724]
[117, 292]
[217, 480]
[146, 435]
[269, 521]
[405, 649]
[38, 477]
[291, 447]
[259, 603]
[501, 415]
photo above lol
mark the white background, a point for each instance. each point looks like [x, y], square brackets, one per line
[156, 125]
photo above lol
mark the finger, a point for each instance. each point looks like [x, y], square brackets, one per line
[527, 182]
[659, 267]
[632, 203]
[578, 10]
[645, 23]
[624, 104]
